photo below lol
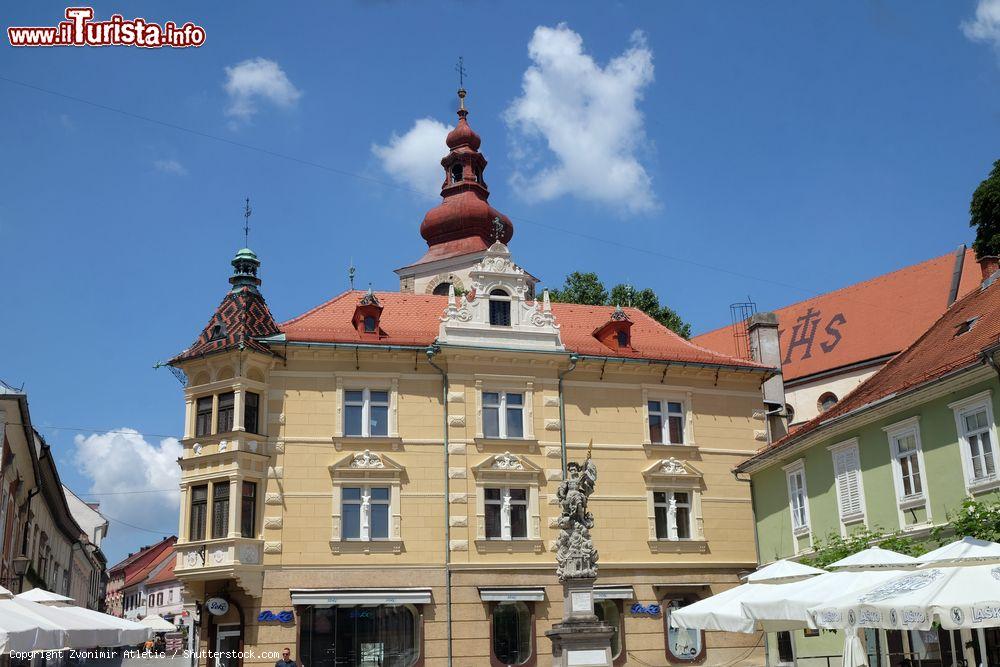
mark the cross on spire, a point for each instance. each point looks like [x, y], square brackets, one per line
[460, 68]
[246, 223]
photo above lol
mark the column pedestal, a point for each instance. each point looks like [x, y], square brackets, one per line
[580, 640]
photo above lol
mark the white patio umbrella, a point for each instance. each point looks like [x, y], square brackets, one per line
[79, 633]
[42, 595]
[965, 550]
[855, 654]
[158, 623]
[23, 631]
[875, 557]
[114, 631]
[724, 611]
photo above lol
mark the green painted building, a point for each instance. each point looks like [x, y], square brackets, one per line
[899, 453]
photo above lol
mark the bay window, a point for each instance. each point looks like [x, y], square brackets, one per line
[248, 510]
[251, 412]
[203, 417]
[506, 511]
[220, 510]
[366, 413]
[503, 414]
[199, 511]
[365, 512]
[224, 420]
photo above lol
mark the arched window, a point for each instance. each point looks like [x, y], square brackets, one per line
[789, 413]
[499, 308]
[512, 633]
[370, 324]
[456, 173]
[610, 612]
[479, 175]
[442, 289]
[827, 401]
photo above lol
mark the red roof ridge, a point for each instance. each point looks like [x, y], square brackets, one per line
[316, 308]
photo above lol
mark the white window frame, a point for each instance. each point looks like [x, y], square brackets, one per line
[894, 433]
[506, 510]
[366, 407]
[367, 383]
[975, 403]
[346, 473]
[502, 384]
[523, 474]
[861, 514]
[687, 419]
[671, 507]
[665, 414]
[365, 519]
[792, 469]
[502, 409]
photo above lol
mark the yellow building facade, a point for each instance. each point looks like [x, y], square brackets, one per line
[374, 482]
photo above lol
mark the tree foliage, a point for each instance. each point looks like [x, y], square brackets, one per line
[976, 518]
[834, 547]
[587, 288]
[984, 211]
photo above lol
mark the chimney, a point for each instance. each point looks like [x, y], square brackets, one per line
[765, 348]
[989, 265]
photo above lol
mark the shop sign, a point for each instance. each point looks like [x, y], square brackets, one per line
[267, 615]
[639, 609]
[217, 606]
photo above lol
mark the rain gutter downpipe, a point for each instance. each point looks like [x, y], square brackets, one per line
[431, 351]
[573, 359]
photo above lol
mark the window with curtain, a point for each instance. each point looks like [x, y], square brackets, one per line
[224, 421]
[220, 510]
[512, 643]
[199, 507]
[248, 510]
[797, 498]
[978, 434]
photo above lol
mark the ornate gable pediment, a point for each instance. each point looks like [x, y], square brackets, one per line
[366, 465]
[673, 472]
[506, 466]
[532, 324]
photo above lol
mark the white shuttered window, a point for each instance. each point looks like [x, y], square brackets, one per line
[850, 492]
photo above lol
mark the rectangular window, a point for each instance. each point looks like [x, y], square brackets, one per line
[786, 653]
[666, 418]
[220, 510]
[366, 413]
[248, 510]
[506, 513]
[503, 414]
[203, 419]
[365, 512]
[251, 412]
[797, 499]
[672, 515]
[199, 507]
[224, 422]
[978, 435]
[850, 494]
[904, 446]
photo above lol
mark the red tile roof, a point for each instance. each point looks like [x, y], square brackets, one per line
[140, 573]
[166, 574]
[849, 326]
[939, 351]
[414, 319]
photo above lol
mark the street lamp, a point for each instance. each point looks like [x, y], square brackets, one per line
[20, 564]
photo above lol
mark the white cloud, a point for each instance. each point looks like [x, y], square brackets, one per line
[414, 159]
[121, 463]
[587, 117]
[170, 167]
[986, 25]
[254, 80]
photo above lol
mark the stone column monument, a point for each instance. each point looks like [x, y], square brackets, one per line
[580, 640]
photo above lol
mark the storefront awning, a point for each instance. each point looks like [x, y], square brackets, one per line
[527, 594]
[611, 592]
[360, 596]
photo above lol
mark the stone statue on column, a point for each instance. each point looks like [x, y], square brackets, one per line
[581, 638]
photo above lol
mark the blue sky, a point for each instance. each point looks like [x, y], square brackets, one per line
[775, 150]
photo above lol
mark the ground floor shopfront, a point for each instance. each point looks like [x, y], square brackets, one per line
[389, 617]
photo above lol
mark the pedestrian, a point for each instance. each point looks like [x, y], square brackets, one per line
[286, 659]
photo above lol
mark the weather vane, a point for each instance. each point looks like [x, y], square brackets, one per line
[350, 273]
[460, 68]
[246, 223]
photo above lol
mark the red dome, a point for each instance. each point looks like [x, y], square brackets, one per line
[464, 214]
[463, 135]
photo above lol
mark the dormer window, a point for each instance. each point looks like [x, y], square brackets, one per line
[622, 338]
[499, 308]
[218, 331]
[456, 173]
[367, 315]
[616, 333]
[371, 324]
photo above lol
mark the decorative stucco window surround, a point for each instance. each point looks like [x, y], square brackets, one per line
[798, 497]
[908, 470]
[673, 476]
[849, 484]
[980, 474]
[366, 469]
[652, 393]
[508, 471]
[367, 383]
[506, 385]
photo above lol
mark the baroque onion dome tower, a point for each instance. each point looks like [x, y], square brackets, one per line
[462, 227]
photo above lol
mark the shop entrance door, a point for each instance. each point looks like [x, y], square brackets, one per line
[227, 641]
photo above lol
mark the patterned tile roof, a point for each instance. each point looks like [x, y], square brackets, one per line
[849, 326]
[242, 317]
[942, 349]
